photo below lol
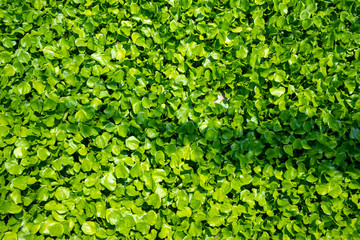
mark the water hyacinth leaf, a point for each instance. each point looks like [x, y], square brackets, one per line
[10, 236]
[290, 174]
[62, 193]
[9, 70]
[23, 56]
[335, 190]
[20, 182]
[85, 114]
[151, 217]
[101, 141]
[43, 153]
[20, 152]
[323, 189]
[89, 228]
[211, 134]
[136, 170]
[132, 143]
[278, 92]
[113, 216]
[121, 171]
[85, 131]
[109, 181]
[52, 228]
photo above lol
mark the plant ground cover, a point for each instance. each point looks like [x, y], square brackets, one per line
[111, 124]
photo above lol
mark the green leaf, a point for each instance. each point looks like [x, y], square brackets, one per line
[152, 133]
[23, 88]
[62, 193]
[154, 200]
[304, 14]
[50, 52]
[20, 182]
[160, 157]
[136, 170]
[5, 57]
[10, 236]
[185, 4]
[151, 217]
[219, 195]
[123, 130]
[52, 228]
[278, 92]
[322, 189]
[215, 221]
[335, 190]
[211, 134]
[9, 70]
[101, 141]
[85, 114]
[197, 154]
[132, 143]
[289, 150]
[43, 153]
[20, 152]
[259, 21]
[121, 171]
[23, 57]
[326, 208]
[86, 131]
[182, 114]
[143, 227]
[109, 181]
[290, 174]
[103, 60]
[89, 228]
[165, 231]
[242, 52]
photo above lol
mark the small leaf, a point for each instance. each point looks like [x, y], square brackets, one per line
[304, 14]
[335, 190]
[322, 189]
[278, 92]
[23, 57]
[23, 88]
[290, 174]
[109, 181]
[136, 170]
[326, 208]
[101, 141]
[9, 70]
[89, 228]
[20, 182]
[52, 228]
[20, 152]
[151, 217]
[121, 171]
[62, 193]
[242, 52]
[10, 236]
[289, 150]
[211, 134]
[43, 153]
[84, 114]
[132, 143]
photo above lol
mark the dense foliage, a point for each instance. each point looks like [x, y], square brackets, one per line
[109, 128]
